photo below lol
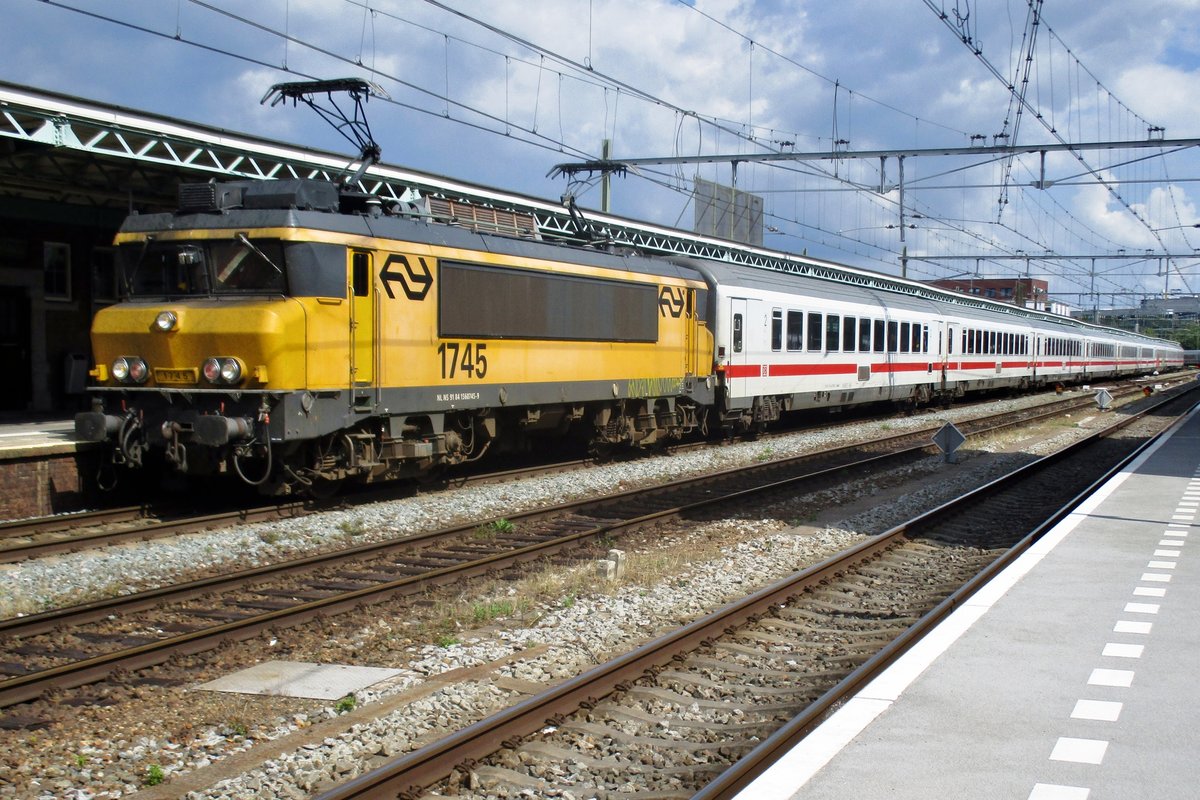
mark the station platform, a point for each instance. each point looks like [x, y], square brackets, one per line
[43, 469]
[1069, 677]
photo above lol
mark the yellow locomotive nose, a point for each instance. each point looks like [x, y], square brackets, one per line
[204, 344]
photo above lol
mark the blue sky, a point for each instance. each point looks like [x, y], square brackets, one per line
[663, 78]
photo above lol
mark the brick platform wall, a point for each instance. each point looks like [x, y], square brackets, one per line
[39, 486]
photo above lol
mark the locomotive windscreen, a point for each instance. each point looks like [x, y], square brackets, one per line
[485, 302]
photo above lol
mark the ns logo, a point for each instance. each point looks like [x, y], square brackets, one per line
[672, 301]
[414, 281]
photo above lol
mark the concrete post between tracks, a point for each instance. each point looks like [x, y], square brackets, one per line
[613, 567]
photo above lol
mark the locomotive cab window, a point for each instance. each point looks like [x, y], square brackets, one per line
[173, 269]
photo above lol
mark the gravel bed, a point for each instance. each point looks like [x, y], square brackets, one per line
[576, 634]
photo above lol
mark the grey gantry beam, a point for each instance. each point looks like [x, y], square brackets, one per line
[842, 155]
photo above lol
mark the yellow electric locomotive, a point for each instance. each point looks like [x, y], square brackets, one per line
[298, 336]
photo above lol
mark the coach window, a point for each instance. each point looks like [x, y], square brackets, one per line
[833, 332]
[849, 330]
[893, 329]
[776, 329]
[924, 338]
[880, 343]
[737, 333]
[795, 330]
[864, 336]
[815, 327]
[905, 337]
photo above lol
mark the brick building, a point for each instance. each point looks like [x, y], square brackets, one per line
[1025, 292]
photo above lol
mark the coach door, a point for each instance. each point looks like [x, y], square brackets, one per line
[1036, 346]
[953, 343]
[737, 348]
[362, 327]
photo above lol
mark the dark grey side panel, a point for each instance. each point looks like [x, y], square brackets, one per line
[486, 302]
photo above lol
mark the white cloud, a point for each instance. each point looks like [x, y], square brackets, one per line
[1165, 95]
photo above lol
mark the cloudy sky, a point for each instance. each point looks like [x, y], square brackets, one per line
[497, 93]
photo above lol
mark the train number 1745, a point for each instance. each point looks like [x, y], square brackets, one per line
[465, 357]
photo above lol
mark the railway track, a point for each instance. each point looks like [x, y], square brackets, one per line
[40, 537]
[699, 712]
[86, 643]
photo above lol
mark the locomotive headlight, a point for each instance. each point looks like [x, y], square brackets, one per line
[130, 369]
[231, 370]
[166, 321]
[211, 370]
[222, 370]
[138, 371]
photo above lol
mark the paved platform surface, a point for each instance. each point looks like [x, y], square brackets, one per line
[1070, 677]
[49, 437]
